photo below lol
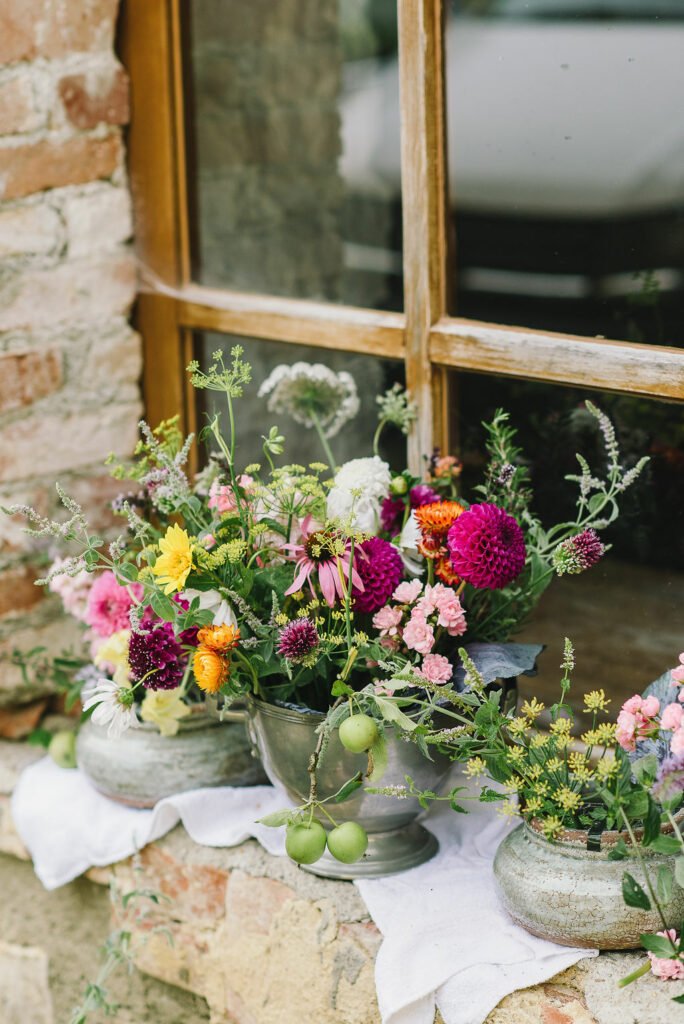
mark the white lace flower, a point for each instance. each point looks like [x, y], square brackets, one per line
[113, 707]
[311, 391]
[360, 485]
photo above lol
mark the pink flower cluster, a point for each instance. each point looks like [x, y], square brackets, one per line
[678, 675]
[436, 606]
[109, 604]
[663, 967]
[73, 590]
[636, 721]
[222, 496]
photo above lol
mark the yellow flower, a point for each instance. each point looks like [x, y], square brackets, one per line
[175, 562]
[576, 760]
[535, 771]
[591, 737]
[567, 798]
[517, 726]
[474, 767]
[606, 734]
[554, 764]
[164, 708]
[541, 788]
[605, 768]
[596, 701]
[281, 619]
[553, 827]
[533, 805]
[561, 727]
[211, 669]
[507, 809]
[515, 754]
[532, 708]
[114, 652]
[540, 739]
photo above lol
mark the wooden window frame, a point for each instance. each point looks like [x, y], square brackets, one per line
[430, 342]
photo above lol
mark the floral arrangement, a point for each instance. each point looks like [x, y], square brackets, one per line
[341, 589]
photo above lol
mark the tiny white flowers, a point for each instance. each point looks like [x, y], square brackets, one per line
[357, 493]
[311, 392]
[113, 707]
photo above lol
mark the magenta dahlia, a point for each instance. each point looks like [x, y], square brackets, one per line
[298, 639]
[391, 515]
[380, 567]
[158, 656]
[486, 547]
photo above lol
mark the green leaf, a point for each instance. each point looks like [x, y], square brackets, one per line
[39, 738]
[645, 768]
[637, 805]
[341, 689]
[664, 884]
[619, 851]
[666, 844]
[349, 787]
[391, 713]
[489, 796]
[633, 894]
[660, 946]
[679, 872]
[127, 571]
[164, 607]
[453, 800]
[277, 818]
[377, 759]
[678, 999]
[651, 821]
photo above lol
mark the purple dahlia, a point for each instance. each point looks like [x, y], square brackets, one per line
[298, 639]
[380, 567]
[159, 653]
[486, 547]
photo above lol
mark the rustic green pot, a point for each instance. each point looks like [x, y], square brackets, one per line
[142, 767]
[564, 892]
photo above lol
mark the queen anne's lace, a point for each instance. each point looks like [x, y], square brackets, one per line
[310, 391]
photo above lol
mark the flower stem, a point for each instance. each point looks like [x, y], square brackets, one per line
[635, 975]
[642, 861]
[324, 441]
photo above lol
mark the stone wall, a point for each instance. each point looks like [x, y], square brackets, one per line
[69, 361]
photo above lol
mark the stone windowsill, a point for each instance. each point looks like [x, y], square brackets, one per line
[260, 940]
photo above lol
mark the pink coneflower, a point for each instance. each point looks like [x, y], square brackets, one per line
[298, 639]
[380, 567]
[314, 556]
[486, 547]
[109, 604]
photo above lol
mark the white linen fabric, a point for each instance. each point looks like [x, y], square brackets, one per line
[447, 942]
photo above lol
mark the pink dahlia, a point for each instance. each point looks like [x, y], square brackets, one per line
[156, 658]
[298, 639]
[486, 547]
[109, 604]
[380, 567]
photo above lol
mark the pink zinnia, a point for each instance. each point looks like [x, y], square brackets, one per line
[418, 634]
[436, 668]
[380, 567]
[486, 547]
[663, 967]
[109, 604]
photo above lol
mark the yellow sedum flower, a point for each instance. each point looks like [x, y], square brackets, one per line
[567, 798]
[606, 768]
[164, 708]
[533, 805]
[552, 827]
[606, 734]
[173, 566]
[114, 652]
[561, 727]
[532, 708]
[517, 726]
[596, 701]
[554, 764]
[539, 740]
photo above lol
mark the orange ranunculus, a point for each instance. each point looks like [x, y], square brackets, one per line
[211, 669]
[435, 519]
[219, 638]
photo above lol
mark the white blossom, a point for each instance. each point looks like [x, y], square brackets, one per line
[310, 391]
[113, 707]
[357, 493]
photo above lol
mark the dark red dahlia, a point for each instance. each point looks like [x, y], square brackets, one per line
[159, 653]
[486, 547]
[380, 567]
[391, 515]
[298, 639]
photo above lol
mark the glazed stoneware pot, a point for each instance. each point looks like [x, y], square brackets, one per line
[142, 766]
[563, 891]
[285, 738]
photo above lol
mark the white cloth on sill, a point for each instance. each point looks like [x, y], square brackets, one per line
[447, 942]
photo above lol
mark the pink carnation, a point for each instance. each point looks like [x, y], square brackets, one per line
[109, 604]
[671, 717]
[445, 601]
[663, 967]
[418, 635]
[406, 593]
[436, 668]
[677, 742]
[221, 497]
[387, 620]
[678, 673]
[635, 720]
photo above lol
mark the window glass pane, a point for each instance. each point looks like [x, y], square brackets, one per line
[371, 374]
[566, 164]
[625, 614]
[292, 113]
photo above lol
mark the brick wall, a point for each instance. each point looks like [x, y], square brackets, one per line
[69, 361]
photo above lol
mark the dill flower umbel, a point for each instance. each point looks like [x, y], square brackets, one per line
[312, 394]
[175, 562]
